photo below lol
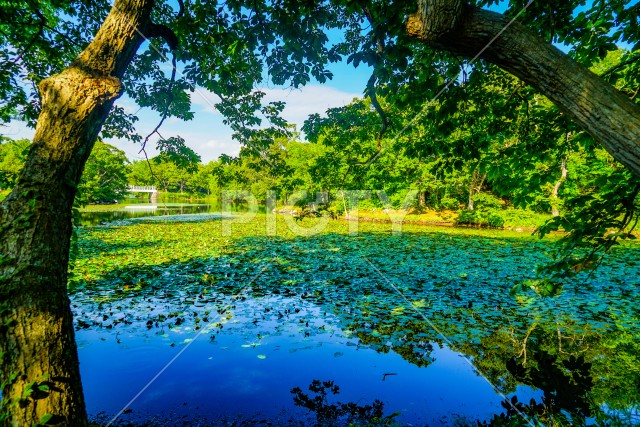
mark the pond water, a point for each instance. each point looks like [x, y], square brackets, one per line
[182, 326]
[246, 371]
[137, 208]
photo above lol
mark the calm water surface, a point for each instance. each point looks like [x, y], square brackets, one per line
[247, 370]
[177, 351]
[138, 209]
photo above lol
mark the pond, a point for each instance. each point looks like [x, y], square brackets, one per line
[137, 208]
[219, 322]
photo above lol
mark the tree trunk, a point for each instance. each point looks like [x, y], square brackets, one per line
[475, 186]
[606, 114]
[422, 199]
[556, 188]
[36, 333]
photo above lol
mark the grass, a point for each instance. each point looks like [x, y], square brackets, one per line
[428, 217]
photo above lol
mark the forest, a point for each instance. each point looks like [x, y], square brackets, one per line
[497, 117]
[469, 162]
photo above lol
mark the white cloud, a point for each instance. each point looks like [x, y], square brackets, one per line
[300, 103]
[206, 134]
[199, 141]
[205, 100]
[213, 148]
[128, 105]
[308, 100]
[17, 130]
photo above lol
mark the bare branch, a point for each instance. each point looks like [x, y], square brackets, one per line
[171, 39]
[166, 33]
[371, 92]
[165, 113]
[181, 10]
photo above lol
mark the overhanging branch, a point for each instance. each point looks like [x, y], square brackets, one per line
[167, 34]
[605, 113]
[371, 92]
[620, 65]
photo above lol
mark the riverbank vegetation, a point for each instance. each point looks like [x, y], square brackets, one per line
[479, 166]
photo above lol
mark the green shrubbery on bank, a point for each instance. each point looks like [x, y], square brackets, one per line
[489, 212]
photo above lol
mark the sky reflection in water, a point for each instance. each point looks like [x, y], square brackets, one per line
[230, 371]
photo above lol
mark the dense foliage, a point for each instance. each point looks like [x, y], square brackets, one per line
[12, 156]
[487, 141]
[104, 178]
[486, 135]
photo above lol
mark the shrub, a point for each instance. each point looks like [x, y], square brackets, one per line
[486, 202]
[481, 218]
[368, 204]
[449, 203]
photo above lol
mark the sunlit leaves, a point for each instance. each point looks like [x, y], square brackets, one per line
[597, 221]
[176, 151]
[104, 178]
[12, 157]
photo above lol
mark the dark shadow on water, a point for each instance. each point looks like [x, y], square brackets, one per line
[546, 352]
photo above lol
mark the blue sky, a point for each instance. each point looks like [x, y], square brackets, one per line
[206, 133]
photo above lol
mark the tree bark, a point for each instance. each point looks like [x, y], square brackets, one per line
[556, 187]
[36, 325]
[475, 186]
[422, 199]
[611, 118]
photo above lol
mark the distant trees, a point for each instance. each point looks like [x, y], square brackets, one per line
[12, 156]
[451, 163]
[65, 63]
[104, 178]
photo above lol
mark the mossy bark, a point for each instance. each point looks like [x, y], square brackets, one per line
[40, 367]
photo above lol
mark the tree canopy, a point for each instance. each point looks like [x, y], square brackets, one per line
[105, 176]
[227, 47]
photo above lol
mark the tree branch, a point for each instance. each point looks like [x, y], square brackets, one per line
[514, 93]
[371, 84]
[601, 110]
[181, 10]
[165, 113]
[166, 33]
[371, 92]
[41, 25]
[43, 22]
[620, 65]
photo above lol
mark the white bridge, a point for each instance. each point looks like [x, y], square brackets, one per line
[142, 189]
[151, 189]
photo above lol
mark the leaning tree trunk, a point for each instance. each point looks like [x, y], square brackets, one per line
[610, 117]
[40, 371]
